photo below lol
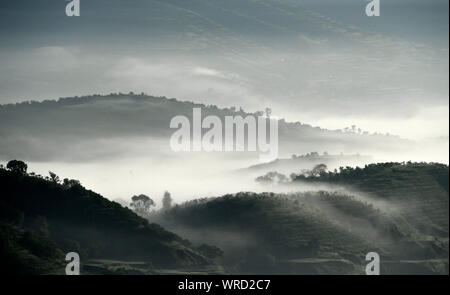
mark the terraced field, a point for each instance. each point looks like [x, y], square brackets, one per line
[420, 191]
[401, 213]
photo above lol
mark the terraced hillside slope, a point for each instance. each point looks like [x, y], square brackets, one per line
[420, 191]
[403, 216]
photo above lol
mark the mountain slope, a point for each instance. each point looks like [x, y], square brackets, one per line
[420, 190]
[41, 221]
[308, 161]
[329, 232]
[86, 127]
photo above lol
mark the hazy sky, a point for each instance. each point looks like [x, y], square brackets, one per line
[320, 62]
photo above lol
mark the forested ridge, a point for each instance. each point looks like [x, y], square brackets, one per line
[43, 219]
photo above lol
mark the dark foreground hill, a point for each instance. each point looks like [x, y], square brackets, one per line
[42, 220]
[398, 210]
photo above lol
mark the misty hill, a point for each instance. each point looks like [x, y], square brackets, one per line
[421, 190]
[293, 55]
[84, 128]
[42, 220]
[299, 162]
[399, 211]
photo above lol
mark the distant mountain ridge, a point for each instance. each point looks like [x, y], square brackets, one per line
[52, 130]
[298, 162]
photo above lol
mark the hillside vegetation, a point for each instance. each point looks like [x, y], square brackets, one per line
[42, 220]
[295, 163]
[46, 130]
[402, 215]
[399, 210]
[419, 190]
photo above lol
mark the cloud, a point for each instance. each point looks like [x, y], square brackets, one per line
[200, 71]
[184, 80]
[352, 85]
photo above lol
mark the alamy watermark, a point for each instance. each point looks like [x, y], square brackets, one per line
[373, 8]
[373, 267]
[73, 267]
[73, 8]
[226, 136]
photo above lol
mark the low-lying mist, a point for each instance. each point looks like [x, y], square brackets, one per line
[121, 168]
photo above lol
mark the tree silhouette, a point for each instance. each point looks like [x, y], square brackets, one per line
[141, 204]
[318, 170]
[71, 182]
[272, 177]
[167, 201]
[54, 177]
[17, 166]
